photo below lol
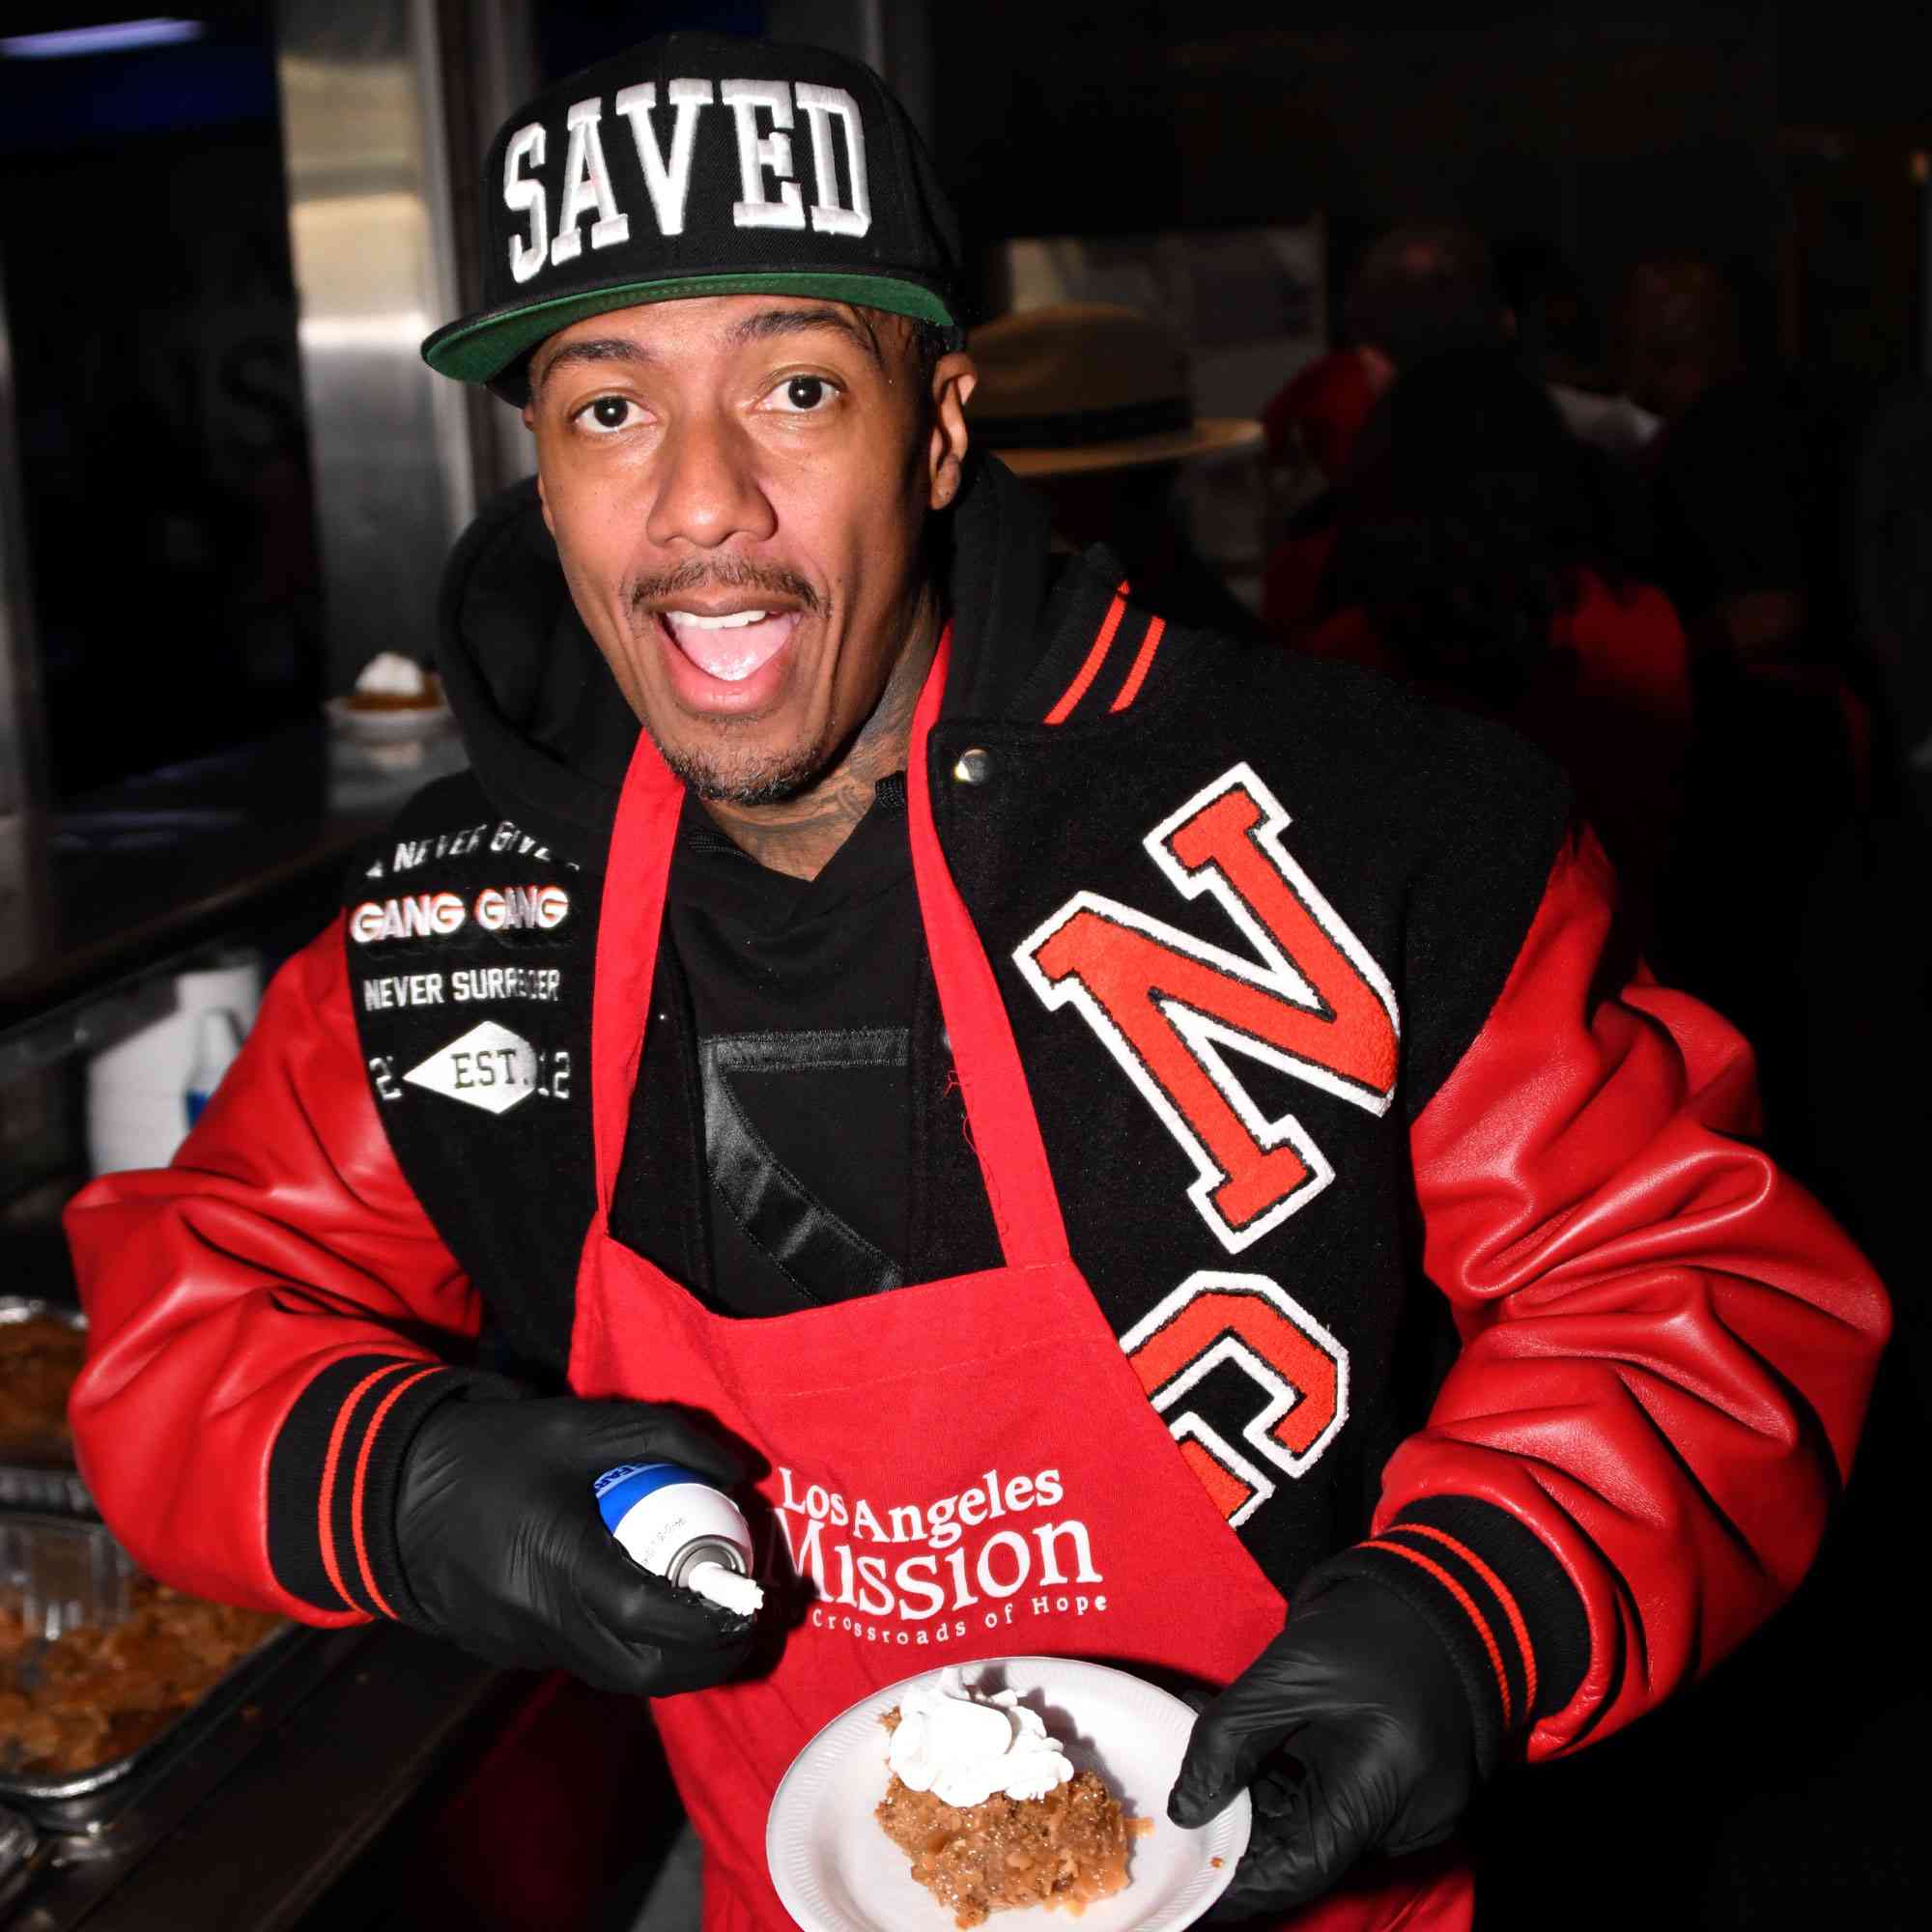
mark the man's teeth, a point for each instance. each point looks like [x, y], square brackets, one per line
[732, 621]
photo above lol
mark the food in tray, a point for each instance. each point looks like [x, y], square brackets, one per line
[991, 1810]
[94, 1695]
[392, 682]
[39, 1360]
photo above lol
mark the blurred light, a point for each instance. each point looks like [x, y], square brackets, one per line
[404, 330]
[114, 38]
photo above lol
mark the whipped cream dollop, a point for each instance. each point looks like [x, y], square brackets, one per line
[962, 1746]
[390, 674]
[732, 1589]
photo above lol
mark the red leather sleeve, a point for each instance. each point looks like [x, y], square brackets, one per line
[265, 1319]
[1668, 1345]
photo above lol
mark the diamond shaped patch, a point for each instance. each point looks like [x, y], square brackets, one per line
[490, 1068]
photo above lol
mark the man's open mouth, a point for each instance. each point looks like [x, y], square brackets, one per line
[730, 645]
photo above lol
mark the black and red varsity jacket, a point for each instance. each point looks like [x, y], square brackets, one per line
[1435, 1229]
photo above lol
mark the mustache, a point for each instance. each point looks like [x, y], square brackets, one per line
[724, 574]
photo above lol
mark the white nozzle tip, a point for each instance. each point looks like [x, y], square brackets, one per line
[726, 1587]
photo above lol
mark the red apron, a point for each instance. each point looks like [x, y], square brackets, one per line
[959, 1470]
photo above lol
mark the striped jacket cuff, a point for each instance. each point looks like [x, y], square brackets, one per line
[1496, 1595]
[332, 1480]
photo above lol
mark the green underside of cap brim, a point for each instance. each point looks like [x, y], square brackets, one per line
[480, 348]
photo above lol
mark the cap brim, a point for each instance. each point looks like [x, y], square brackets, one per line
[478, 348]
[1206, 437]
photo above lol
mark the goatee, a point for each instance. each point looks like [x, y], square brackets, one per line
[768, 779]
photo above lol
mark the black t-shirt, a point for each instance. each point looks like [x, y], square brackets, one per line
[801, 991]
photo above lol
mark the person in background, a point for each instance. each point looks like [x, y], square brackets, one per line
[1750, 512]
[1424, 291]
[1892, 561]
[1751, 478]
[1312, 421]
[1727, 467]
[1478, 555]
[1561, 342]
[1312, 427]
[883, 1022]
[1557, 328]
[1090, 403]
[1417, 292]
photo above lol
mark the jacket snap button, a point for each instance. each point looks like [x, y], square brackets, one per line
[973, 767]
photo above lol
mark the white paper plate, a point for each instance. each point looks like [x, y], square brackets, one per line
[837, 1871]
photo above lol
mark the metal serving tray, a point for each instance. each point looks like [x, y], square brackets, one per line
[54, 1486]
[243, 1704]
[254, 1694]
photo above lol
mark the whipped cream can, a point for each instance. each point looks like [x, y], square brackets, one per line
[678, 1526]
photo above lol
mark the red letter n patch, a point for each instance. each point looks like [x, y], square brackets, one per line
[1168, 1007]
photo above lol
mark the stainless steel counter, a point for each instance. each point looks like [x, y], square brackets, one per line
[104, 898]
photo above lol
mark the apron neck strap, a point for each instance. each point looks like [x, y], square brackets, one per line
[999, 1110]
[629, 920]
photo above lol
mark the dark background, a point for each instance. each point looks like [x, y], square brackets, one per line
[146, 277]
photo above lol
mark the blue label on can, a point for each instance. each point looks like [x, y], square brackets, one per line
[620, 1490]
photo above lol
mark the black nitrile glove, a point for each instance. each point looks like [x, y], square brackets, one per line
[1356, 1735]
[505, 1553]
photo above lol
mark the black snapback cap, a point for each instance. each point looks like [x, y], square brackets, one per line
[702, 164]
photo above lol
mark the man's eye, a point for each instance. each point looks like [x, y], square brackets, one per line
[803, 395]
[607, 412]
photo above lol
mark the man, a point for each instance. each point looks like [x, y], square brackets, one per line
[1748, 486]
[1728, 468]
[978, 1070]
[1417, 291]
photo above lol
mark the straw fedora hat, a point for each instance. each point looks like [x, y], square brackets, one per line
[1088, 386]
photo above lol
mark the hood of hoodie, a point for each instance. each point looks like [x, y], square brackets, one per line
[549, 734]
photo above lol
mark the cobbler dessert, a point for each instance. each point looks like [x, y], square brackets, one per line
[990, 1810]
[94, 1694]
[392, 682]
[39, 1360]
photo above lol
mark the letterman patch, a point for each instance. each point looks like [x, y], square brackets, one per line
[540, 984]
[416, 916]
[493, 1069]
[1247, 1323]
[384, 992]
[436, 915]
[517, 908]
[500, 836]
[1168, 1006]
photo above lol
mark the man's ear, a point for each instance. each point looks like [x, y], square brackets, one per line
[543, 495]
[953, 381]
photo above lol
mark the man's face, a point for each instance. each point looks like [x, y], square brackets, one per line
[738, 486]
